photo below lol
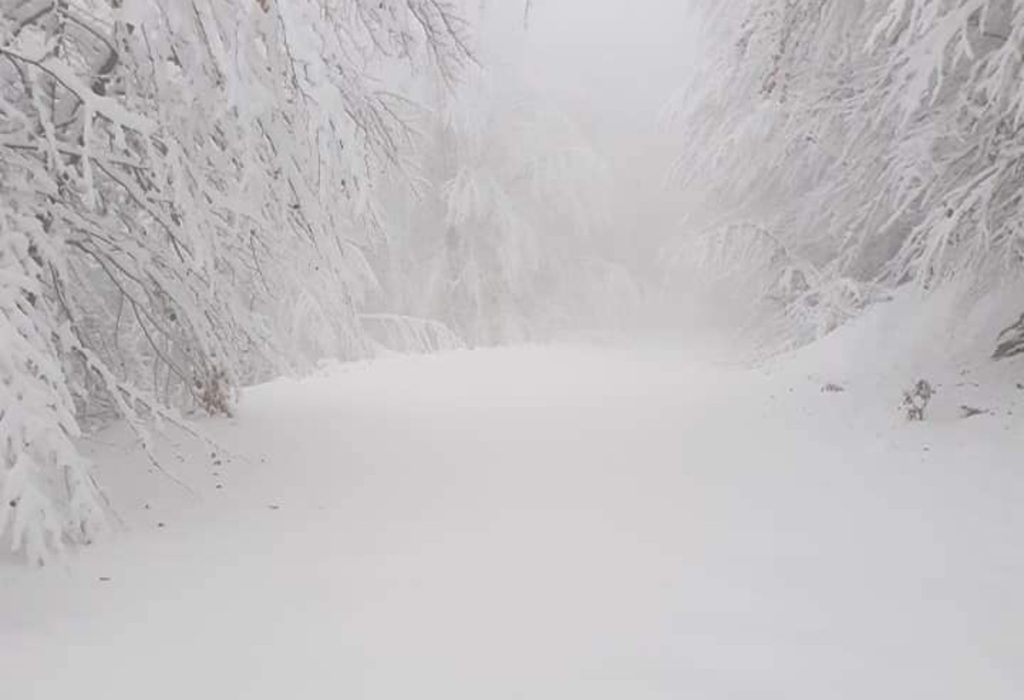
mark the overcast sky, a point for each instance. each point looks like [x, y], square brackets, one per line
[616, 62]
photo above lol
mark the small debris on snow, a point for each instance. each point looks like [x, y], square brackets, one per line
[971, 411]
[916, 400]
[831, 388]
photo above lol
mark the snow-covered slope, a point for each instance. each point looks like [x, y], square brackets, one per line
[548, 523]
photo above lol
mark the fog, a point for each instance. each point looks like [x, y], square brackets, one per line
[616, 68]
[563, 122]
[472, 349]
[614, 64]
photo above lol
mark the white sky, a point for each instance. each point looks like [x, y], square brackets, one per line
[614, 62]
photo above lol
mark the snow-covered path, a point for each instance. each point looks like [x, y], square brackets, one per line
[545, 523]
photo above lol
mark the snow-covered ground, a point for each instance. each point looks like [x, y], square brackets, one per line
[565, 522]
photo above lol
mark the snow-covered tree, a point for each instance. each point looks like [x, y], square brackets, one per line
[186, 202]
[868, 143]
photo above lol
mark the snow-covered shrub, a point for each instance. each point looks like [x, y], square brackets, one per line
[406, 334]
[776, 292]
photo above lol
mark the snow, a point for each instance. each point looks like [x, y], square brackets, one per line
[563, 522]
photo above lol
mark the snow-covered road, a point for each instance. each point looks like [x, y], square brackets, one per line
[545, 523]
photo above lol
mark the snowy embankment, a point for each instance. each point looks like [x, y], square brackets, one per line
[551, 523]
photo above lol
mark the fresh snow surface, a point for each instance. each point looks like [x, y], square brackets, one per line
[563, 523]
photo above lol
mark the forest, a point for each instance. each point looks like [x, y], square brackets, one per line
[201, 199]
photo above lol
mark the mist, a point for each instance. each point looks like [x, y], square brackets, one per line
[460, 349]
[617, 75]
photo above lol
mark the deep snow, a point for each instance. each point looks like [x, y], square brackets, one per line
[564, 522]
